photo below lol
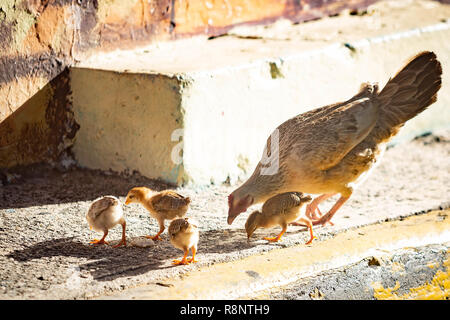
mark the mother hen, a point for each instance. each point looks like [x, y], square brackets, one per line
[332, 149]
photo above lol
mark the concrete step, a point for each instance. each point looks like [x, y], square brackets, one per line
[45, 251]
[369, 261]
[200, 110]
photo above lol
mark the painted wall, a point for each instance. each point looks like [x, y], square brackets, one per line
[41, 38]
[38, 39]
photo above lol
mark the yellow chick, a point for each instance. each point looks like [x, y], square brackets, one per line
[164, 205]
[281, 210]
[184, 235]
[103, 214]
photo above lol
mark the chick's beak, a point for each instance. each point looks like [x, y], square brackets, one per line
[127, 201]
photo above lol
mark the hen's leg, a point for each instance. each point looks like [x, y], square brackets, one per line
[327, 217]
[313, 206]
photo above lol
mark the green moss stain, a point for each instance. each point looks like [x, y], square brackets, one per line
[275, 71]
[21, 20]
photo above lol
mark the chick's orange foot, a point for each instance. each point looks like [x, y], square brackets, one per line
[98, 242]
[310, 240]
[156, 237]
[272, 239]
[183, 261]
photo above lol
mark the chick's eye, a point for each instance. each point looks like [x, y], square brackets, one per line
[131, 197]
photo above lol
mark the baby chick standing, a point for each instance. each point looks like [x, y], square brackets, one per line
[164, 205]
[281, 210]
[103, 214]
[184, 235]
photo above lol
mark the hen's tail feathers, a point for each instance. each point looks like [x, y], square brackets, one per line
[408, 93]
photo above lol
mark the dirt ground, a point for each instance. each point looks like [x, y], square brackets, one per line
[44, 237]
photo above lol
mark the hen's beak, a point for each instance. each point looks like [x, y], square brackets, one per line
[233, 213]
[230, 219]
[127, 201]
[236, 208]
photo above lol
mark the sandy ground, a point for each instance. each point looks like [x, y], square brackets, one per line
[44, 237]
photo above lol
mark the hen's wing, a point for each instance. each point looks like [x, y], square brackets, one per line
[367, 90]
[323, 142]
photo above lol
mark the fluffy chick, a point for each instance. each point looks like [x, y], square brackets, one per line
[164, 205]
[184, 235]
[103, 214]
[281, 210]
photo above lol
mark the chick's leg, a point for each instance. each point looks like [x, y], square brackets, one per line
[183, 260]
[278, 237]
[101, 241]
[194, 251]
[327, 217]
[124, 239]
[161, 230]
[312, 207]
[310, 227]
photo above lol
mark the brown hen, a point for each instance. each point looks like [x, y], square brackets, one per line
[332, 149]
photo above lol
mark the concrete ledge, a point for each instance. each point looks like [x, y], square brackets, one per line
[412, 273]
[253, 276]
[45, 251]
[223, 97]
[127, 122]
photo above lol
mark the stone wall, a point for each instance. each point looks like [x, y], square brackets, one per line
[41, 39]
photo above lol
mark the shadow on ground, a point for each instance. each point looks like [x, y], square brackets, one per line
[41, 184]
[105, 263]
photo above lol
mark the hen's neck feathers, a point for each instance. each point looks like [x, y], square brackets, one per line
[261, 187]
